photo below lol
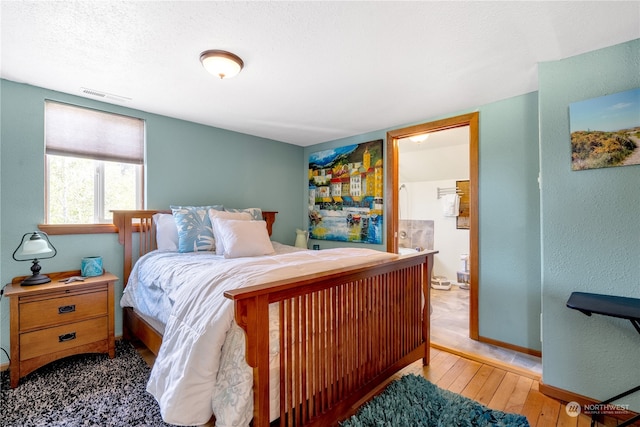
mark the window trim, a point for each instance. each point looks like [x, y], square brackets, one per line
[62, 229]
[66, 229]
[98, 191]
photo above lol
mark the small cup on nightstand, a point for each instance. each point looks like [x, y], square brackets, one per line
[91, 266]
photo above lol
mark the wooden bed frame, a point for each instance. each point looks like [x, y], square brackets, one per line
[360, 325]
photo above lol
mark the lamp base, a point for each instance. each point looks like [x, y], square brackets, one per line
[36, 279]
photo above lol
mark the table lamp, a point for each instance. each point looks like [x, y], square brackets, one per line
[35, 248]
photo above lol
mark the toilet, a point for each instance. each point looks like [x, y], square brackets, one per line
[440, 283]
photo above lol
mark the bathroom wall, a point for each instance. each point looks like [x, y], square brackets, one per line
[415, 234]
[422, 203]
[438, 162]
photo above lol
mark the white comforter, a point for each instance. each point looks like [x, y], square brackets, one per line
[201, 368]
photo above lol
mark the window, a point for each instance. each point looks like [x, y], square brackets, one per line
[94, 164]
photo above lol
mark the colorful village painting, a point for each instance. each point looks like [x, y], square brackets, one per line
[346, 193]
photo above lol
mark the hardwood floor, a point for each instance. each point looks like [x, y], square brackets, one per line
[499, 388]
[489, 382]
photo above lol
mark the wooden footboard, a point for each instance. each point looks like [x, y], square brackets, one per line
[342, 333]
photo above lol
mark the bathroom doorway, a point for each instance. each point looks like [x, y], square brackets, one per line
[411, 190]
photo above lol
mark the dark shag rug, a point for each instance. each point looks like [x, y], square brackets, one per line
[414, 401]
[83, 390]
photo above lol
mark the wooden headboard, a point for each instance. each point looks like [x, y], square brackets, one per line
[129, 222]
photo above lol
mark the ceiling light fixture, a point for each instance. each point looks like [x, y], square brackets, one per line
[419, 138]
[221, 63]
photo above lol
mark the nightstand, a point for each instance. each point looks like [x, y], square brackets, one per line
[57, 319]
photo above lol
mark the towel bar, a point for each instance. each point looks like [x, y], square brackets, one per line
[448, 190]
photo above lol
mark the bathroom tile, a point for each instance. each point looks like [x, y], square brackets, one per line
[450, 327]
[404, 237]
[422, 234]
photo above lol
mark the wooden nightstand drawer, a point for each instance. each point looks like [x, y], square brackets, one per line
[64, 309]
[59, 319]
[50, 340]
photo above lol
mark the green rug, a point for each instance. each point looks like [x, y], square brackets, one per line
[414, 401]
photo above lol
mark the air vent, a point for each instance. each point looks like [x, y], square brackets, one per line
[93, 92]
[104, 95]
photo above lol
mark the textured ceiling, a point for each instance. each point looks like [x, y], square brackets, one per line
[314, 71]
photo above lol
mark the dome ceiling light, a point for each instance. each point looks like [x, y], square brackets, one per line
[221, 63]
[419, 138]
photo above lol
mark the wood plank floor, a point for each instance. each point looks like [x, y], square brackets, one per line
[492, 383]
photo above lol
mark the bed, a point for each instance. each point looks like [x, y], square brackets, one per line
[345, 320]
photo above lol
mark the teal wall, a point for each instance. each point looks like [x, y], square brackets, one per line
[187, 163]
[509, 278]
[579, 233]
[590, 233]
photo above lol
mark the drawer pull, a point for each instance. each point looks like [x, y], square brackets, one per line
[67, 337]
[67, 309]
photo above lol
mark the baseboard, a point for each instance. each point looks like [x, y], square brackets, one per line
[513, 347]
[568, 396]
[488, 361]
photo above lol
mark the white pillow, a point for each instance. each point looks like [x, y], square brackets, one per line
[240, 216]
[243, 238]
[256, 213]
[166, 232]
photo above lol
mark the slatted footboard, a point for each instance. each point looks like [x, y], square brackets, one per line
[342, 333]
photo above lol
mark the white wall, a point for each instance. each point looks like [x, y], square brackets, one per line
[422, 203]
[432, 168]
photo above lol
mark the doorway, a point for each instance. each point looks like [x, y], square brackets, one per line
[393, 189]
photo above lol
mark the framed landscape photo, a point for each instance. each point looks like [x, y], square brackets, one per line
[605, 131]
[346, 193]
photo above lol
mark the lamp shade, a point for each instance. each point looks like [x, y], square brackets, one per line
[221, 63]
[37, 246]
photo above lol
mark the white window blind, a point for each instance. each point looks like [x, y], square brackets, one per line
[82, 132]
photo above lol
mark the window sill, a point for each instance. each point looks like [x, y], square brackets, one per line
[61, 229]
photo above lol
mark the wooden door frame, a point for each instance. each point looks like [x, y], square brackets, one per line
[392, 190]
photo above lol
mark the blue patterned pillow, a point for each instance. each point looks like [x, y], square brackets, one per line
[256, 213]
[195, 232]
